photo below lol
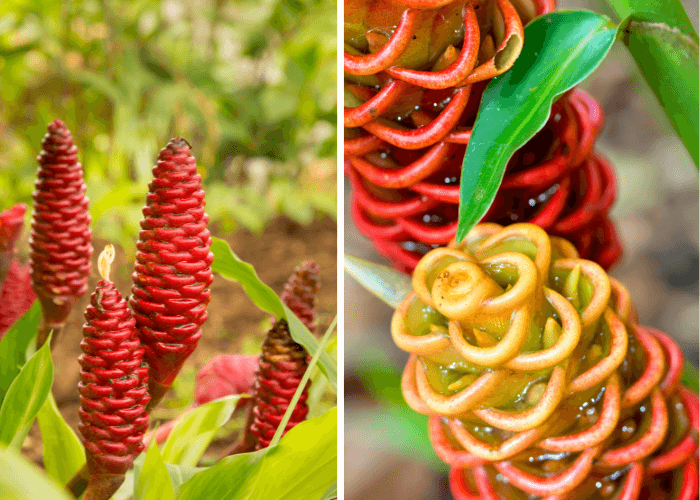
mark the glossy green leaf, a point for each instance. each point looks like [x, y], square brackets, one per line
[25, 397]
[301, 467]
[690, 377]
[195, 430]
[230, 266]
[63, 451]
[385, 283]
[151, 478]
[668, 59]
[671, 11]
[22, 480]
[14, 344]
[560, 50]
[179, 474]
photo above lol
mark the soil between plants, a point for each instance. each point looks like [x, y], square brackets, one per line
[235, 325]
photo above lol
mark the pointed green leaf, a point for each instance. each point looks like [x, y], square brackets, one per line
[668, 59]
[560, 50]
[230, 266]
[25, 397]
[14, 344]
[385, 283]
[196, 429]
[670, 11]
[301, 467]
[151, 478]
[22, 480]
[63, 451]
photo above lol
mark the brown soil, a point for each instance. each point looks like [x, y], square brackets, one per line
[235, 324]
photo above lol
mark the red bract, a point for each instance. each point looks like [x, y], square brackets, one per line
[60, 240]
[173, 266]
[113, 390]
[300, 293]
[280, 369]
[11, 223]
[16, 296]
[225, 374]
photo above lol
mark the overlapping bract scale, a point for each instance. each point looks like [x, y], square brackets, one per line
[173, 266]
[537, 378]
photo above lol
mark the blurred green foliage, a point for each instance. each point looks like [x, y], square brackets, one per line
[250, 84]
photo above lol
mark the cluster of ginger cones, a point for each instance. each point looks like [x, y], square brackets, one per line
[133, 352]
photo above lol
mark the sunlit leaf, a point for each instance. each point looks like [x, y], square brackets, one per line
[22, 480]
[63, 451]
[151, 478]
[385, 283]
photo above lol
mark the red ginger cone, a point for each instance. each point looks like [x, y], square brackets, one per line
[405, 143]
[11, 224]
[280, 369]
[113, 387]
[300, 293]
[16, 296]
[538, 381]
[61, 239]
[173, 267]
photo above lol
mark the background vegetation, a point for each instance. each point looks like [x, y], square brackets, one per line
[250, 84]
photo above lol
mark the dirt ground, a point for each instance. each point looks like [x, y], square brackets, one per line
[235, 324]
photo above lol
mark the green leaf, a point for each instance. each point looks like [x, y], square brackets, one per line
[668, 59]
[385, 283]
[196, 429]
[690, 377]
[301, 467]
[151, 478]
[63, 451]
[22, 480]
[670, 11]
[14, 344]
[230, 266]
[25, 397]
[560, 50]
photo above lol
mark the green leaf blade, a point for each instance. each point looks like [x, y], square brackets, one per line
[560, 50]
[301, 467]
[14, 344]
[63, 451]
[152, 480]
[25, 397]
[22, 480]
[195, 431]
[668, 60]
[385, 283]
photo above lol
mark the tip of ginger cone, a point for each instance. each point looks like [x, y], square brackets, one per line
[178, 143]
[103, 486]
[56, 124]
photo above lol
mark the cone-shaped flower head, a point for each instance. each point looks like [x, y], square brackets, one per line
[417, 71]
[173, 266]
[280, 370]
[113, 387]
[61, 239]
[16, 296]
[538, 381]
[11, 224]
[300, 293]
